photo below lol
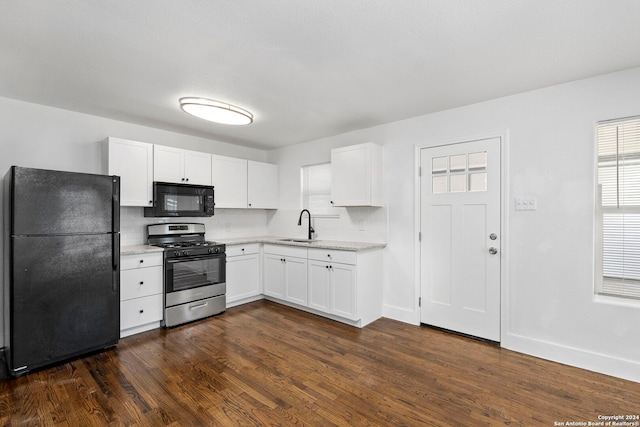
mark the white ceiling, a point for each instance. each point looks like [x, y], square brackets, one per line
[306, 69]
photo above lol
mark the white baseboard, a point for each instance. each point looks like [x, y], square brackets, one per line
[244, 301]
[401, 314]
[579, 358]
[601, 363]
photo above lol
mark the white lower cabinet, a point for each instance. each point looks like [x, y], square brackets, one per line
[343, 285]
[346, 285]
[285, 273]
[332, 285]
[141, 292]
[332, 288]
[243, 273]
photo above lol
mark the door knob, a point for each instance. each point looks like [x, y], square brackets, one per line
[493, 251]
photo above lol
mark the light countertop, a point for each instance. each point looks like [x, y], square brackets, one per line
[322, 244]
[139, 249]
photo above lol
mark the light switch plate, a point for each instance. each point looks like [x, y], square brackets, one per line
[526, 204]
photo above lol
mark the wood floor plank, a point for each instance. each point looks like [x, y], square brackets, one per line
[267, 364]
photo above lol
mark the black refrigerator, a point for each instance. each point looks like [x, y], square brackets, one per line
[61, 266]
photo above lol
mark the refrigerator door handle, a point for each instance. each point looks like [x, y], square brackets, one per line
[116, 204]
[116, 261]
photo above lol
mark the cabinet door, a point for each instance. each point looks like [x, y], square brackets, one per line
[350, 176]
[197, 168]
[296, 280]
[356, 175]
[132, 161]
[343, 290]
[274, 276]
[168, 164]
[230, 181]
[243, 277]
[319, 286]
[262, 185]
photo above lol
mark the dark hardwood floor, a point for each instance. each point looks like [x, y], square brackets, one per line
[266, 364]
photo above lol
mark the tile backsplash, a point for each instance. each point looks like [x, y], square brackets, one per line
[353, 224]
[226, 223]
[363, 224]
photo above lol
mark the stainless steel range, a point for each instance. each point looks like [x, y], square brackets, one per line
[194, 272]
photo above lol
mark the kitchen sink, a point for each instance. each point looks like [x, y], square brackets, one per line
[296, 240]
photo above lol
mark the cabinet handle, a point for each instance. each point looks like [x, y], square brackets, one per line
[249, 204]
[326, 266]
[142, 283]
[242, 249]
[141, 311]
[187, 179]
[141, 261]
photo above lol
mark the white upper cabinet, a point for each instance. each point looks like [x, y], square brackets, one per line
[262, 185]
[197, 167]
[229, 177]
[132, 161]
[181, 166]
[356, 175]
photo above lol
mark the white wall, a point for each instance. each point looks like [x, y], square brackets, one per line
[550, 309]
[33, 135]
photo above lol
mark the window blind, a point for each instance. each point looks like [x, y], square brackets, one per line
[619, 207]
[316, 189]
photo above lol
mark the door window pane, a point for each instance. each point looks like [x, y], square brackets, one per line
[478, 160]
[458, 163]
[458, 183]
[478, 181]
[439, 165]
[439, 184]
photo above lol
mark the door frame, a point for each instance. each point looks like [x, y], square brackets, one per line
[504, 222]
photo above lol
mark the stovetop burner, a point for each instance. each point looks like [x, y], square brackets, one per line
[181, 240]
[171, 245]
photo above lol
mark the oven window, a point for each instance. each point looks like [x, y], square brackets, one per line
[183, 202]
[187, 274]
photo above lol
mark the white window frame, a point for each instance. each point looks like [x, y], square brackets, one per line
[623, 281]
[326, 210]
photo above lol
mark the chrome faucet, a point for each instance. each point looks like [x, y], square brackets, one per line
[311, 230]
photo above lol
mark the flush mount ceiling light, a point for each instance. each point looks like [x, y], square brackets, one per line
[216, 111]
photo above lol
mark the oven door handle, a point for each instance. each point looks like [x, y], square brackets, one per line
[195, 258]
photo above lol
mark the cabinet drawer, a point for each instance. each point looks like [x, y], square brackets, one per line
[130, 262]
[236, 250]
[140, 283]
[287, 251]
[332, 255]
[140, 311]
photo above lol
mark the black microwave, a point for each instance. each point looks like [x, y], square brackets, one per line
[171, 200]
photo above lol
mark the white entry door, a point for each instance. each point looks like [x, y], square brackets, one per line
[460, 237]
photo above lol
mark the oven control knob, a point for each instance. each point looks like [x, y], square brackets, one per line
[214, 250]
[176, 253]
